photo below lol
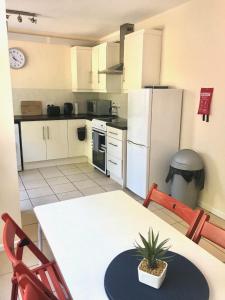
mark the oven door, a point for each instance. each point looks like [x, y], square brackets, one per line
[99, 150]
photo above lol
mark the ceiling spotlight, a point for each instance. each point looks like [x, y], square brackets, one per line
[19, 18]
[33, 20]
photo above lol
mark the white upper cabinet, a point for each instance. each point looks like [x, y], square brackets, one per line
[105, 56]
[81, 68]
[142, 59]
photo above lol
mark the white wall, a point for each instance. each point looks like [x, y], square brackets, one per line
[47, 67]
[193, 57]
[47, 78]
[9, 196]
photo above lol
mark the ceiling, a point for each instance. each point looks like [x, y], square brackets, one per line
[88, 19]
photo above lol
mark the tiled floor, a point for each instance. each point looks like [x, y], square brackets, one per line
[53, 184]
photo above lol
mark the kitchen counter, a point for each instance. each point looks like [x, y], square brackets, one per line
[20, 118]
[118, 123]
[114, 122]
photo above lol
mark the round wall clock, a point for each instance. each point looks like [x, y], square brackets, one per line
[17, 58]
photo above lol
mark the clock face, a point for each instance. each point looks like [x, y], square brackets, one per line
[17, 58]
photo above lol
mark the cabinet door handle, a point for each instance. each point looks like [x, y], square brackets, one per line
[124, 74]
[112, 162]
[113, 133]
[43, 132]
[98, 78]
[48, 132]
[113, 144]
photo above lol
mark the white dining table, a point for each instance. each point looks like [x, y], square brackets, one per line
[86, 233]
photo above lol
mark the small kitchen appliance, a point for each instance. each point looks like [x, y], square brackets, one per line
[53, 110]
[68, 108]
[99, 107]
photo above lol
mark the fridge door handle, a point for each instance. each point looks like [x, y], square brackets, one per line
[132, 143]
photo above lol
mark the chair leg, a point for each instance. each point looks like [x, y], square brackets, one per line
[14, 292]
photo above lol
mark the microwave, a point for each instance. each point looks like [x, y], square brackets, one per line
[99, 107]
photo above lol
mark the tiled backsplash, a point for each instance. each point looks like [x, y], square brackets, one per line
[59, 97]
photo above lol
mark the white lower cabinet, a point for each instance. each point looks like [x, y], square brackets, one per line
[56, 139]
[114, 166]
[76, 147]
[33, 141]
[116, 154]
[43, 140]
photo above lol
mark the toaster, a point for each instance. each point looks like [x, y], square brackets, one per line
[53, 110]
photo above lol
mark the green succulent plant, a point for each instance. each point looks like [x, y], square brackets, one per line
[152, 250]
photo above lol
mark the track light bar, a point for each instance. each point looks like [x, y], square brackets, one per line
[22, 13]
[33, 16]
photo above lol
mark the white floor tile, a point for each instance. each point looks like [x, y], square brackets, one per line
[67, 166]
[44, 200]
[104, 181]
[77, 177]
[85, 184]
[50, 172]
[88, 169]
[25, 205]
[69, 195]
[96, 175]
[23, 195]
[57, 180]
[92, 190]
[111, 187]
[39, 192]
[28, 218]
[33, 184]
[71, 171]
[63, 188]
[30, 175]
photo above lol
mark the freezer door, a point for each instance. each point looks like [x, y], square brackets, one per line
[138, 169]
[139, 116]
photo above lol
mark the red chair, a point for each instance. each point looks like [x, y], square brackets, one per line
[209, 231]
[48, 270]
[31, 288]
[191, 217]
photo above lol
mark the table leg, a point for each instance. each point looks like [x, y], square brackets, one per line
[40, 243]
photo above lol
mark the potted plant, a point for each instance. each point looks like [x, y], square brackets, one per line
[152, 268]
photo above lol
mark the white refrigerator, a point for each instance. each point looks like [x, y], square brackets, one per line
[153, 136]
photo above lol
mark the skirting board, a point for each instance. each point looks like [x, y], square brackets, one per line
[54, 162]
[213, 210]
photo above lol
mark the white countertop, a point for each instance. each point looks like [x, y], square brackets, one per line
[86, 233]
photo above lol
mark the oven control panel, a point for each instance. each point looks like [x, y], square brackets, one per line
[99, 124]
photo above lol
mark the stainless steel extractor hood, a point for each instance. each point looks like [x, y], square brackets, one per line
[118, 69]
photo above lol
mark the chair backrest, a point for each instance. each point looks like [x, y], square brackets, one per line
[209, 231]
[191, 217]
[14, 241]
[31, 288]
